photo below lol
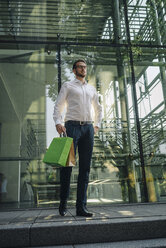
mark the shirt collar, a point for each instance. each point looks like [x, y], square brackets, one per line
[78, 81]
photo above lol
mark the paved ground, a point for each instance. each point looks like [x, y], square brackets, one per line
[41, 227]
[102, 213]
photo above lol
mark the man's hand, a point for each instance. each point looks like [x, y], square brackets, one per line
[60, 128]
[96, 129]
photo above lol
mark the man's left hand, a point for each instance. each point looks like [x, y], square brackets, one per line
[96, 129]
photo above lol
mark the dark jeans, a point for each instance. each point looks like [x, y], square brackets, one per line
[83, 136]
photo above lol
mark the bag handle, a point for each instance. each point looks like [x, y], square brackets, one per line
[64, 134]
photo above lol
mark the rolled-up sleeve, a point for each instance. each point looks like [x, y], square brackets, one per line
[60, 104]
[98, 110]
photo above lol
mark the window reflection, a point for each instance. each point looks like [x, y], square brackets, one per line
[29, 76]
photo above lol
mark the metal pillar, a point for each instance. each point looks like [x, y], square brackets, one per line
[59, 66]
[144, 184]
[117, 120]
[123, 102]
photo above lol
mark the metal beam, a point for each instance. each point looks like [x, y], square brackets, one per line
[59, 66]
[144, 184]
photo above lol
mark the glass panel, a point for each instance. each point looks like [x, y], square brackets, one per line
[28, 90]
[32, 38]
[151, 94]
[28, 85]
[9, 178]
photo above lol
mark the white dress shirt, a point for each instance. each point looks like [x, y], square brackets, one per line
[78, 98]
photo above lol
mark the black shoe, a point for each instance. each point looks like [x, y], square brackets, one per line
[63, 208]
[81, 211]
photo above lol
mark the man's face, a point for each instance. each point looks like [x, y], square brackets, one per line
[80, 69]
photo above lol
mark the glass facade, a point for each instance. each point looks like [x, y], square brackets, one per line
[124, 44]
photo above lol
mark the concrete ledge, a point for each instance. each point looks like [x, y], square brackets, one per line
[150, 243]
[96, 231]
[14, 235]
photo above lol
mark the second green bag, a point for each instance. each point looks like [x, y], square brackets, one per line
[60, 152]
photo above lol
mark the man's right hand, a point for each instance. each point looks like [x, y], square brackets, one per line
[60, 128]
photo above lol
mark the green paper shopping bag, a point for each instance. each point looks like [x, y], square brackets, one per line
[60, 152]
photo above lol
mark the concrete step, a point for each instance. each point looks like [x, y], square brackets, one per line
[44, 227]
[150, 243]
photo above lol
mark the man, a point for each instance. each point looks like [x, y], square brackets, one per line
[78, 96]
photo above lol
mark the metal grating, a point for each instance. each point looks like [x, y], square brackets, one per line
[68, 20]
[79, 21]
